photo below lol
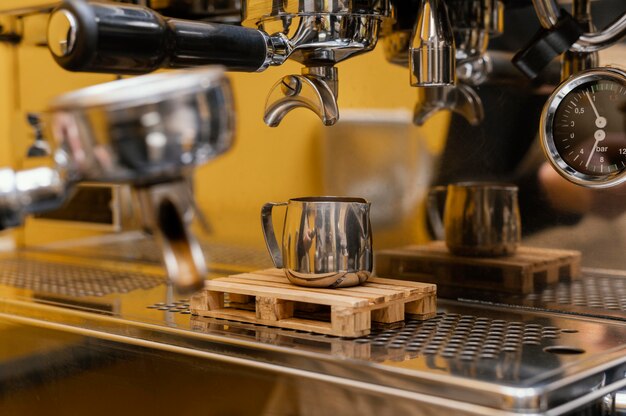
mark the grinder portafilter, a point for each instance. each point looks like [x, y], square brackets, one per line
[149, 132]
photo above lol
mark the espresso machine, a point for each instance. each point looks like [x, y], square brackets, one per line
[92, 319]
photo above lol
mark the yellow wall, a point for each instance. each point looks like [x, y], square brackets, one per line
[12, 4]
[266, 164]
[7, 100]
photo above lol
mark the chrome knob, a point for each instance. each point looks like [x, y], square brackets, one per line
[62, 29]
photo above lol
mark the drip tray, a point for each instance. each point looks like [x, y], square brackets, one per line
[449, 336]
[598, 293]
[510, 360]
[471, 358]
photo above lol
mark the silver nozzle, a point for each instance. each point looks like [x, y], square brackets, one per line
[432, 51]
[167, 211]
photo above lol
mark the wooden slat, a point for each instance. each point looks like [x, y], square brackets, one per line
[422, 287]
[523, 254]
[287, 294]
[522, 258]
[372, 282]
[387, 287]
[371, 298]
[373, 294]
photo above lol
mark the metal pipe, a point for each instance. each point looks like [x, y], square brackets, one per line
[548, 14]
[574, 62]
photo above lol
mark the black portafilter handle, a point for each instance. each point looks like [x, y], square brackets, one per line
[128, 39]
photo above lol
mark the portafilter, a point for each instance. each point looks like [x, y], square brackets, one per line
[149, 132]
[111, 37]
[318, 35]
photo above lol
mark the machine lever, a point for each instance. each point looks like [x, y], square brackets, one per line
[547, 44]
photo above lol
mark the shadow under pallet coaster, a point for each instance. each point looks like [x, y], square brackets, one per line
[266, 297]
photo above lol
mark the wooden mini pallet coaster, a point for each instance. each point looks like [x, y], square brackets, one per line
[529, 269]
[266, 297]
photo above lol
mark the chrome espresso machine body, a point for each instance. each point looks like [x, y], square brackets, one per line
[97, 322]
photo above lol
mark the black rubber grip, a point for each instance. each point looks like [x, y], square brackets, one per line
[547, 45]
[127, 39]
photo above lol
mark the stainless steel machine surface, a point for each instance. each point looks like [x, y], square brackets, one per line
[95, 324]
[472, 359]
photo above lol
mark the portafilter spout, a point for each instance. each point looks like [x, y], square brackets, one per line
[167, 211]
[315, 89]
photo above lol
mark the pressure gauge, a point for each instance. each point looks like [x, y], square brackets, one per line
[583, 128]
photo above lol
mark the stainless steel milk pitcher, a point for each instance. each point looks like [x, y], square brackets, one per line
[480, 219]
[327, 241]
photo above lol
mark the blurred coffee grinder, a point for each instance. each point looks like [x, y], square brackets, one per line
[149, 132]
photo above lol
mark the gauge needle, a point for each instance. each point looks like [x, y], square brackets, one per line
[600, 121]
[599, 135]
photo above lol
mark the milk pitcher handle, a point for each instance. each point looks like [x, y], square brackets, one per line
[434, 211]
[268, 233]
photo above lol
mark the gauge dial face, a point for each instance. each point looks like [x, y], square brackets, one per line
[587, 132]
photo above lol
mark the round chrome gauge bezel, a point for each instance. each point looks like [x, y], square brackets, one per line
[547, 125]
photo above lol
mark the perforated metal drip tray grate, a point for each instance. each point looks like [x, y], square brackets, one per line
[594, 291]
[597, 293]
[70, 279]
[513, 360]
[465, 337]
[450, 336]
